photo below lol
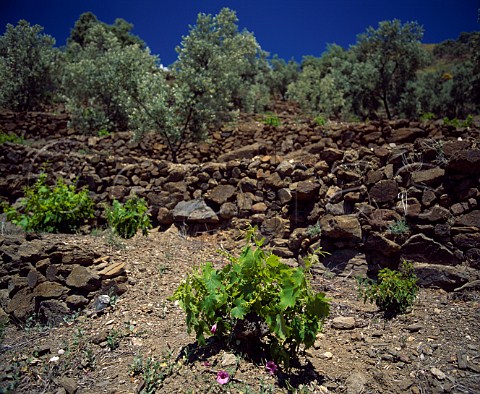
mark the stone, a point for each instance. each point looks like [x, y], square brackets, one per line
[228, 359]
[415, 327]
[379, 243]
[384, 191]
[69, 384]
[194, 211]
[112, 270]
[259, 207]
[284, 195]
[164, 216]
[406, 134]
[346, 262]
[285, 168]
[306, 190]
[83, 278]
[228, 210]
[356, 383]
[52, 312]
[343, 323]
[76, 301]
[420, 248]
[245, 201]
[341, 227]
[438, 374]
[275, 181]
[467, 241]
[440, 276]
[22, 304]
[246, 152]
[221, 194]
[435, 214]
[428, 177]
[471, 219]
[466, 161]
[50, 290]
[331, 155]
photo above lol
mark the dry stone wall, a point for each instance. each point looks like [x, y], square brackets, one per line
[348, 188]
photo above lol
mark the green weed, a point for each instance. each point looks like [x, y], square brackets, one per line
[394, 292]
[51, 209]
[126, 219]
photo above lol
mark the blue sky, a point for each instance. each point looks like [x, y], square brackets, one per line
[292, 28]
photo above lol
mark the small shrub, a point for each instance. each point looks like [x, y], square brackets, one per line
[153, 372]
[468, 122]
[394, 292]
[10, 137]
[126, 219]
[52, 209]
[103, 133]
[398, 227]
[320, 121]
[427, 116]
[113, 339]
[255, 288]
[314, 230]
[271, 120]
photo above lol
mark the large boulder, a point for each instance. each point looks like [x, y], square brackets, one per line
[420, 248]
[194, 211]
[344, 227]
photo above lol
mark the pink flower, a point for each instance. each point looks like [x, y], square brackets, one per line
[223, 377]
[206, 364]
[271, 367]
[214, 328]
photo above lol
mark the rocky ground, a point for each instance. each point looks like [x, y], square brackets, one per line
[432, 349]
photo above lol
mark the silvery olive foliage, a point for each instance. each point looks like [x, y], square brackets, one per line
[220, 69]
[96, 77]
[111, 85]
[28, 66]
[368, 78]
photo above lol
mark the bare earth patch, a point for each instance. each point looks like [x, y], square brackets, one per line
[139, 342]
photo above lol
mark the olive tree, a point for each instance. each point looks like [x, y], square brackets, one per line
[394, 52]
[28, 67]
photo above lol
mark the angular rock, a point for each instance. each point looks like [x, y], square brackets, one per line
[341, 227]
[466, 161]
[228, 210]
[467, 241]
[306, 190]
[246, 152]
[221, 193]
[420, 248]
[194, 211]
[331, 155]
[441, 276]
[75, 301]
[343, 323]
[384, 191]
[379, 243]
[275, 181]
[406, 134]
[84, 279]
[471, 219]
[22, 304]
[112, 270]
[356, 383]
[52, 312]
[69, 384]
[259, 207]
[284, 195]
[50, 290]
[435, 214]
[428, 177]
[345, 262]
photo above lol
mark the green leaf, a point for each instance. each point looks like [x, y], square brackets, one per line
[240, 310]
